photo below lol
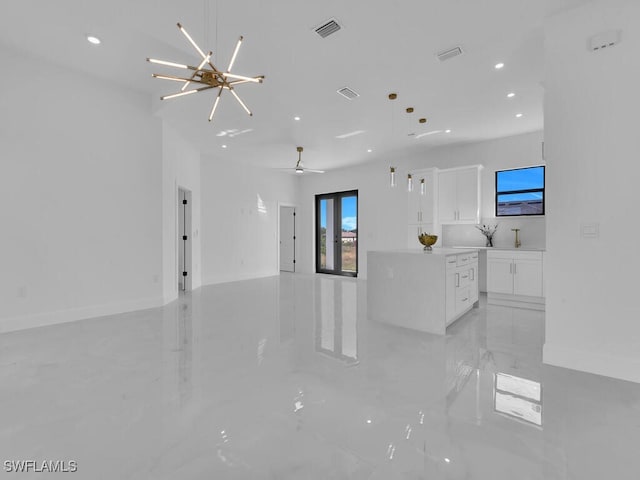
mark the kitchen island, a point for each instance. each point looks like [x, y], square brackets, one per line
[421, 290]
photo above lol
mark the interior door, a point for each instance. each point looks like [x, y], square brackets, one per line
[287, 239]
[337, 233]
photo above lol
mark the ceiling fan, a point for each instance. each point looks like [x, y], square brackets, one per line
[299, 169]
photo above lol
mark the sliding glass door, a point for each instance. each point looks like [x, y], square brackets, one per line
[337, 233]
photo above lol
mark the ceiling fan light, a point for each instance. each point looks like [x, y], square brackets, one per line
[299, 170]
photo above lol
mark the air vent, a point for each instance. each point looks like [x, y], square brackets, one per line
[327, 28]
[346, 92]
[447, 54]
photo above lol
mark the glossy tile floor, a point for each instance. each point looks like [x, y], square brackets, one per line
[285, 378]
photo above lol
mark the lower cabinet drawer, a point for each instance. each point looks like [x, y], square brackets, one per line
[463, 298]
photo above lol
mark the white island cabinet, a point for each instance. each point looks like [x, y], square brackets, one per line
[425, 291]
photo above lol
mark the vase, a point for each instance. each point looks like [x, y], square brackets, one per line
[489, 242]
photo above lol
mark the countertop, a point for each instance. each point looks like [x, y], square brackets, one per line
[434, 251]
[520, 249]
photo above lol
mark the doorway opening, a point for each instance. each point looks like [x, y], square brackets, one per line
[184, 240]
[287, 238]
[337, 233]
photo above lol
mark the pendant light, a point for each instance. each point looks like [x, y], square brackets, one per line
[392, 176]
[409, 183]
[423, 187]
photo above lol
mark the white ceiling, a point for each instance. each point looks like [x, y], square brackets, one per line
[383, 47]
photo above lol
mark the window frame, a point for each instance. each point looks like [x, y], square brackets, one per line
[528, 190]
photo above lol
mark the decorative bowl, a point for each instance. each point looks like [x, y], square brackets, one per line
[427, 240]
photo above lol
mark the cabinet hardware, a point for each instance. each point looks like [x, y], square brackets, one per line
[473, 273]
[457, 279]
[515, 268]
[465, 276]
[465, 299]
[511, 268]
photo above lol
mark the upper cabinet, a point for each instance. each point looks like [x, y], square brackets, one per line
[421, 204]
[459, 195]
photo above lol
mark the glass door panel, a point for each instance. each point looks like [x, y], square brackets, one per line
[337, 233]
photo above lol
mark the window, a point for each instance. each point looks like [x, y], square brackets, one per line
[520, 192]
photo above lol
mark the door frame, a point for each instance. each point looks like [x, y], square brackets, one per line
[295, 236]
[336, 196]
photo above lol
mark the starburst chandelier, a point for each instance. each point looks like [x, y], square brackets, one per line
[206, 74]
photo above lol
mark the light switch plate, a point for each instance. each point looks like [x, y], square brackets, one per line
[590, 230]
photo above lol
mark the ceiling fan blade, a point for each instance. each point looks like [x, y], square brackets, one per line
[311, 170]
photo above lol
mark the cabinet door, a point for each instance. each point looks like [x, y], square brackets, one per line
[447, 203]
[473, 281]
[450, 294]
[467, 189]
[427, 201]
[500, 275]
[527, 277]
[414, 207]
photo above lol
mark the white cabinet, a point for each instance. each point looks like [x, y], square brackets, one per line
[459, 195]
[515, 278]
[421, 207]
[461, 290]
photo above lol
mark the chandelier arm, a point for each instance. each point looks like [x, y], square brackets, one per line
[257, 79]
[215, 104]
[240, 101]
[235, 54]
[178, 79]
[191, 41]
[187, 92]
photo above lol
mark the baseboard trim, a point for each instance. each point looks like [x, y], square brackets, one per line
[237, 278]
[517, 301]
[590, 361]
[24, 322]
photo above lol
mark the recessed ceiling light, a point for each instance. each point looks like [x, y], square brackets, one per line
[93, 40]
[369, 150]
[447, 130]
[296, 118]
[518, 115]
[511, 95]
[224, 146]
[498, 66]
[447, 460]
[369, 420]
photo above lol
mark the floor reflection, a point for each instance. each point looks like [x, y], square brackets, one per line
[286, 378]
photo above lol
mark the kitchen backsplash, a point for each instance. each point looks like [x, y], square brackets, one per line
[532, 233]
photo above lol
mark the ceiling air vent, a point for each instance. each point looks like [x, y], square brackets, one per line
[327, 28]
[447, 54]
[347, 93]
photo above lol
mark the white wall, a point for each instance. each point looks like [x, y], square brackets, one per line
[240, 219]
[592, 150]
[80, 189]
[181, 168]
[383, 210]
